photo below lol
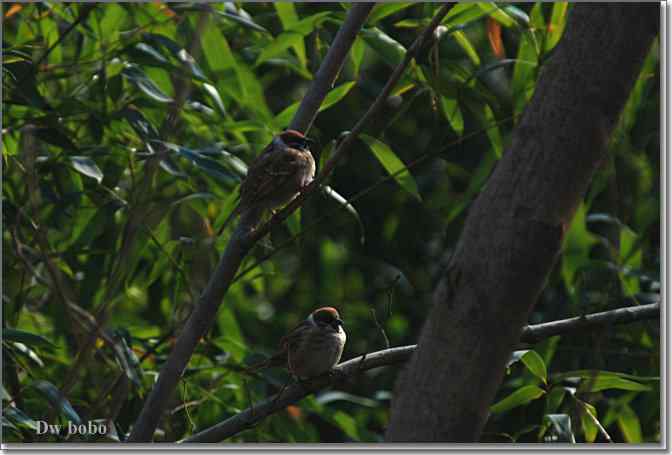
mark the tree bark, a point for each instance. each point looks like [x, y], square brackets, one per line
[515, 228]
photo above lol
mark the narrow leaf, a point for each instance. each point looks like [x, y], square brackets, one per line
[392, 164]
[26, 338]
[57, 400]
[87, 166]
[535, 364]
[145, 84]
[389, 49]
[520, 397]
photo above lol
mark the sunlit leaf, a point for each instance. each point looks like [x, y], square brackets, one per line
[468, 48]
[557, 24]
[588, 418]
[535, 364]
[389, 49]
[288, 17]
[392, 164]
[87, 166]
[382, 10]
[629, 424]
[27, 338]
[145, 84]
[450, 108]
[520, 397]
[240, 16]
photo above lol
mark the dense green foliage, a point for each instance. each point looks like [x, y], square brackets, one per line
[93, 228]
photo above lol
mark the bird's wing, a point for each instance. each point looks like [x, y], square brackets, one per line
[292, 340]
[266, 175]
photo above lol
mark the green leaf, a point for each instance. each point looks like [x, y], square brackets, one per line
[535, 364]
[392, 164]
[357, 54]
[179, 53]
[208, 165]
[334, 96]
[557, 24]
[588, 418]
[143, 127]
[466, 45]
[629, 424]
[346, 423]
[110, 24]
[240, 16]
[497, 14]
[389, 49]
[630, 256]
[87, 166]
[330, 192]
[462, 14]
[144, 83]
[589, 374]
[486, 118]
[523, 80]
[216, 49]
[450, 109]
[601, 382]
[279, 45]
[554, 399]
[27, 338]
[19, 418]
[57, 400]
[288, 18]
[576, 249]
[520, 397]
[516, 356]
[382, 10]
[211, 90]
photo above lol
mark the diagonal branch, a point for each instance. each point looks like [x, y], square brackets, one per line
[239, 245]
[531, 334]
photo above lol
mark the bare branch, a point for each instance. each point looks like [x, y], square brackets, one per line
[330, 67]
[239, 245]
[531, 334]
[535, 333]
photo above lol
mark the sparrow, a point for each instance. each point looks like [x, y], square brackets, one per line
[277, 175]
[312, 348]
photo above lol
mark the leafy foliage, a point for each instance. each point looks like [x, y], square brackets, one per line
[126, 132]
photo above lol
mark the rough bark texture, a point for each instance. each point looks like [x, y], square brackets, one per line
[515, 228]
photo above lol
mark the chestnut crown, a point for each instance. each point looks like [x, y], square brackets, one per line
[327, 316]
[295, 139]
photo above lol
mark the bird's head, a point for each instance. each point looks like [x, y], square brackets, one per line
[295, 139]
[327, 316]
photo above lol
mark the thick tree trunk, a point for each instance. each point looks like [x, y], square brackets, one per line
[515, 228]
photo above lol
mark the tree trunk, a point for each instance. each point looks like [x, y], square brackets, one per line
[515, 228]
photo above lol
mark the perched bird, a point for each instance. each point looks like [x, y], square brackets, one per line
[277, 175]
[312, 348]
